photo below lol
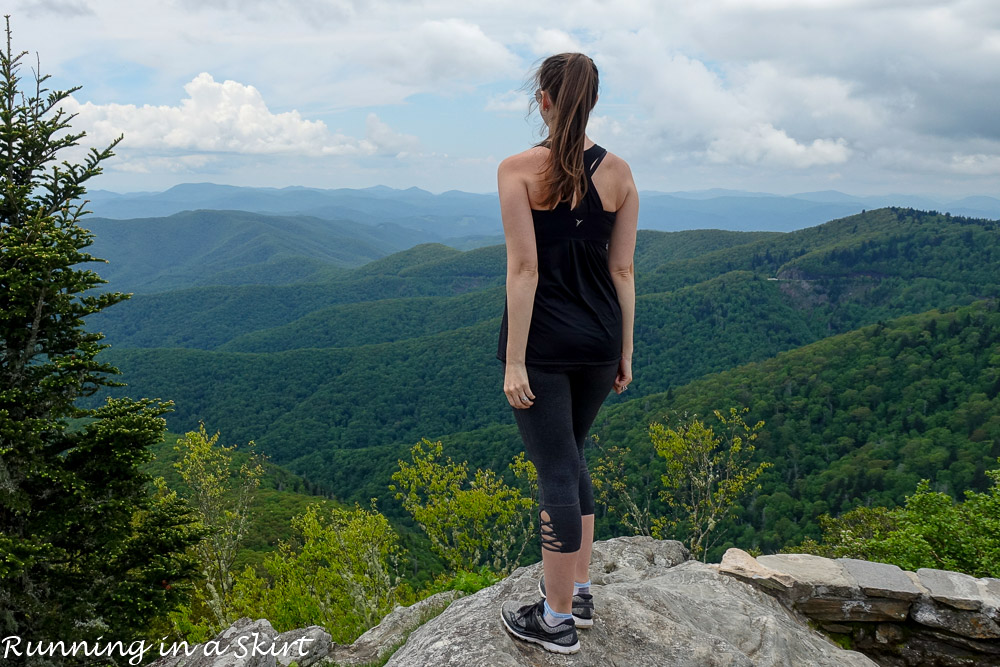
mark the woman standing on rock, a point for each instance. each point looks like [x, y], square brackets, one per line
[569, 210]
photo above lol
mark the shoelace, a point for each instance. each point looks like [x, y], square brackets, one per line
[526, 610]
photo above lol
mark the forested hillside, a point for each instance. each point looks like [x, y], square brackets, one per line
[857, 418]
[236, 248]
[208, 317]
[215, 315]
[336, 378]
[853, 419]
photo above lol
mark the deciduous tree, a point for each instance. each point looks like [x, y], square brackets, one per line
[706, 475]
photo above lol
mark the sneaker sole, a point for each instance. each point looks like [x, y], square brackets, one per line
[580, 622]
[549, 646]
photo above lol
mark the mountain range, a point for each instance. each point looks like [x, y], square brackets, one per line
[464, 217]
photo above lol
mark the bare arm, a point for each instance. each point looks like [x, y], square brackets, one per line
[621, 253]
[522, 278]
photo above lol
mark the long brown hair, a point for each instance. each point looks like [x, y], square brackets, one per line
[571, 81]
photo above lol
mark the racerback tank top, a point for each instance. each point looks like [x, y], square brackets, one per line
[576, 318]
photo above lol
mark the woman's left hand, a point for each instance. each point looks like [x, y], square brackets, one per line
[515, 386]
[624, 375]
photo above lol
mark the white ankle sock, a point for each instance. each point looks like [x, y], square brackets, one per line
[581, 588]
[554, 618]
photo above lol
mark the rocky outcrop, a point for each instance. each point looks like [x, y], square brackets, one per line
[928, 617]
[249, 643]
[654, 607]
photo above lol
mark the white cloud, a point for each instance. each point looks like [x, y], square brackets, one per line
[383, 140]
[172, 165]
[877, 91]
[976, 165]
[546, 41]
[804, 101]
[35, 8]
[227, 117]
[734, 115]
[605, 128]
[936, 160]
[439, 52]
[268, 10]
[764, 144]
[512, 100]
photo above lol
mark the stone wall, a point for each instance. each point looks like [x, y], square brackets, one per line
[928, 617]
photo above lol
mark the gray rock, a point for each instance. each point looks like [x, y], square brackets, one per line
[305, 647]
[245, 643]
[952, 588]
[880, 579]
[638, 552]
[989, 587]
[988, 652]
[915, 580]
[824, 576]
[738, 563]
[989, 591]
[966, 623]
[889, 633]
[837, 628]
[851, 609]
[649, 614]
[933, 648]
[391, 631]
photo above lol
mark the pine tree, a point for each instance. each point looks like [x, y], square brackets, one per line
[86, 549]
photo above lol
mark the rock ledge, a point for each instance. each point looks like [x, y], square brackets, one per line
[928, 617]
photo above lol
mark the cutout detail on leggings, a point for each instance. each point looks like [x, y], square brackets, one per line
[549, 540]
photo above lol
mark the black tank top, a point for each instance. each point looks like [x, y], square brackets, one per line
[576, 318]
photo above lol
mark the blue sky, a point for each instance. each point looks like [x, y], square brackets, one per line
[784, 96]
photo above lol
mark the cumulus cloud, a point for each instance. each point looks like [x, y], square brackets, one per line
[605, 128]
[764, 144]
[440, 51]
[545, 41]
[877, 91]
[383, 140]
[228, 117]
[751, 115]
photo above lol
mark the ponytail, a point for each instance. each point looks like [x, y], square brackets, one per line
[571, 81]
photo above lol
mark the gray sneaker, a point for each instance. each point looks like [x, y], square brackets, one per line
[526, 622]
[583, 606]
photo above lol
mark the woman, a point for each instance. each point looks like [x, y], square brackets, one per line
[569, 212]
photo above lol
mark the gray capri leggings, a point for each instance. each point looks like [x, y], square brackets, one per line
[554, 430]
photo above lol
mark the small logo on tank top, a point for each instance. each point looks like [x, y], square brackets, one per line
[578, 222]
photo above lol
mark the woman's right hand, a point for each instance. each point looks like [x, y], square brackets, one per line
[515, 386]
[624, 375]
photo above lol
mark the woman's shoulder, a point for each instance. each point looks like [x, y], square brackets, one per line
[620, 174]
[527, 159]
[616, 164]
